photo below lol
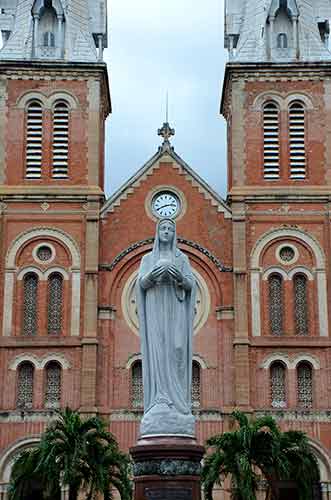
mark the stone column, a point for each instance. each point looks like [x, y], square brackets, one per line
[4, 491]
[295, 36]
[271, 36]
[100, 47]
[326, 490]
[60, 20]
[35, 34]
[64, 492]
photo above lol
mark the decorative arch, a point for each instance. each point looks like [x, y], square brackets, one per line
[56, 357]
[25, 358]
[282, 102]
[9, 455]
[301, 270]
[47, 101]
[256, 273]
[275, 270]
[40, 4]
[132, 360]
[11, 272]
[30, 269]
[306, 358]
[323, 459]
[274, 358]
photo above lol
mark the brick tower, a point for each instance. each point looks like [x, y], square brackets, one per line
[276, 100]
[54, 100]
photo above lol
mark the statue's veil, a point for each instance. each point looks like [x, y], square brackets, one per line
[156, 247]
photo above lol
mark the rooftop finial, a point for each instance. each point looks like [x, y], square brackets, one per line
[166, 131]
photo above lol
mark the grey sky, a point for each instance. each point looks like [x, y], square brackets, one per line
[155, 46]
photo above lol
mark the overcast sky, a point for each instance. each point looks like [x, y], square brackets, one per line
[157, 46]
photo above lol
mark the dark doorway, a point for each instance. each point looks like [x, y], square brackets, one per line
[288, 490]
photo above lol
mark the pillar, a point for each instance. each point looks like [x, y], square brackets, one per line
[100, 47]
[35, 34]
[295, 36]
[60, 21]
[271, 36]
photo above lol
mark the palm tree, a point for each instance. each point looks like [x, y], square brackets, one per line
[258, 449]
[78, 453]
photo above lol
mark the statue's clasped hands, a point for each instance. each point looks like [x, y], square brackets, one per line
[162, 269]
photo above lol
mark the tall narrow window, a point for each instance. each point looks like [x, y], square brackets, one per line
[60, 140]
[137, 393]
[297, 141]
[305, 385]
[53, 385]
[277, 385]
[24, 395]
[48, 39]
[55, 304]
[271, 141]
[301, 304]
[30, 298]
[34, 136]
[196, 385]
[282, 42]
[276, 306]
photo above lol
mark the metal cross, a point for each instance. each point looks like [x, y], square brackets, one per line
[166, 132]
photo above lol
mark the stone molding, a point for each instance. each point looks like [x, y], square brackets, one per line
[167, 468]
[291, 362]
[40, 362]
[150, 241]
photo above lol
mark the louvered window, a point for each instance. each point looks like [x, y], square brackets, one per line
[30, 293]
[297, 141]
[271, 141]
[301, 304]
[34, 137]
[196, 385]
[305, 385]
[137, 392]
[276, 307]
[55, 304]
[277, 385]
[24, 396]
[60, 140]
[53, 385]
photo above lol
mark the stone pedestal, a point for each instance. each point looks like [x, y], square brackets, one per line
[167, 468]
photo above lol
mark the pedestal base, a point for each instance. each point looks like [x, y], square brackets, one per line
[167, 468]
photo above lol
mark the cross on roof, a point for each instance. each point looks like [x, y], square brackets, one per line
[166, 132]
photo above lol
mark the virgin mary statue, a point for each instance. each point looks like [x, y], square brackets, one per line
[166, 300]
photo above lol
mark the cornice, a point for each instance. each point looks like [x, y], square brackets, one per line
[295, 71]
[52, 71]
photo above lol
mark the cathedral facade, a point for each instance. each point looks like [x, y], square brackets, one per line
[69, 258]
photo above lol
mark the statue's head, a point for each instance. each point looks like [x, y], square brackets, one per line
[166, 231]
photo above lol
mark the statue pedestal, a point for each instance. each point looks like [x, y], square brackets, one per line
[167, 468]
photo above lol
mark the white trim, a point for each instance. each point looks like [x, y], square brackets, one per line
[71, 245]
[47, 102]
[22, 358]
[306, 358]
[276, 357]
[280, 248]
[6, 460]
[275, 270]
[35, 253]
[43, 232]
[56, 269]
[301, 270]
[256, 270]
[132, 360]
[59, 358]
[323, 459]
[200, 360]
[30, 269]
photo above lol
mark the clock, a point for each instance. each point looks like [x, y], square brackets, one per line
[166, 204]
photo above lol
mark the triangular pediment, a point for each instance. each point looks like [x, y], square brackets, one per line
[166, 155]
[290, 6]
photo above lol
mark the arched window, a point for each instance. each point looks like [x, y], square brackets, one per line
[271, 141]
[30, 309]
[24, 395]
[137, 393]
[276, 304]
[297, 141]
[196, 385]
[53, 384]
[301, 304]
[60, 140]
[282, 42]
[34, 137]
[55, 304]
[305, 385]
[278, 385]
[48, 39]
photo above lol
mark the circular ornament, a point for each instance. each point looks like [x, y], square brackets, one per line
[287, 254]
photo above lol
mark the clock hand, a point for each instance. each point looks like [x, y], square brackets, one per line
[168, 205]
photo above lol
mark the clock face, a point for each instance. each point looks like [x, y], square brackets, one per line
[166, 204]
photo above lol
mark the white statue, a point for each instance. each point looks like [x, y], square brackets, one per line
[166, 300]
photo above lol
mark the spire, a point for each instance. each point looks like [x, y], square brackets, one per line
[277, 30]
